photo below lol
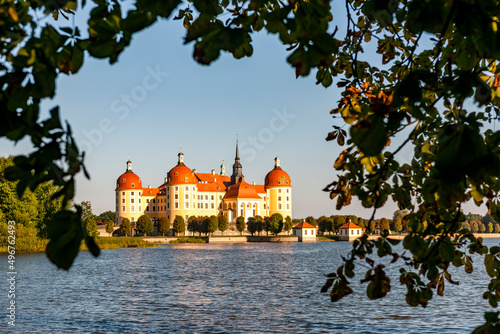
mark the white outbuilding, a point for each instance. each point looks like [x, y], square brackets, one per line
[305, 231]
[350, 231]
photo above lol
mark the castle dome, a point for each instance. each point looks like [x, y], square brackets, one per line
[277, 177]
[128, 180]
[181, 173]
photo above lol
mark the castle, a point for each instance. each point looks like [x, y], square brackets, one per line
[186, 193]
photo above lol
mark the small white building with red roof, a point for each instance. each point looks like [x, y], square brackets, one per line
[305, 231]
[350, 231]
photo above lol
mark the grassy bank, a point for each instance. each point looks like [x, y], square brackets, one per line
[34, 244]
[188, 240]
[328, 238]
[121, 242]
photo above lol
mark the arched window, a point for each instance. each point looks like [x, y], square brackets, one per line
[279, 181]
[132, 185]
[185, 179]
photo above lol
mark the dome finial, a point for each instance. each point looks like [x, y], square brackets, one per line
[222, 169]
[129, 164]
[277, 163]
[180, 156]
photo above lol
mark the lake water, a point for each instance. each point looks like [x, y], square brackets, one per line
[207, 288]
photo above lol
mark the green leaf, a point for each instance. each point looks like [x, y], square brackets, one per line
[446, 250]
[370, 135]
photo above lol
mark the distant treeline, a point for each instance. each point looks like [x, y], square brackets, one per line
[473, 222]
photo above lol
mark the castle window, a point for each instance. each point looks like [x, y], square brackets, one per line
[213, 206]
[176, 173]
[287, 198]
[123, 208]
[140, 208]
[176, 205]
[279, 182]
[154, 200]
[176, 196]
[123, 200]
[248, 205]
[206, 205]
[168, 206]
[132, 185]
[286, 181]
[176, 188]
[279, 191]
[206, 197]
[220, 196]
[168, 197]
[147, 200]
[212, 197]
[154, 208]
[279, 206]
[139, 200]
[187, 196]
[187, 205]
[132, 208]
[186, 179]
[123, 193]
[187, 188]
[279, 198]
[288, 191]
[264, 206]
[288, 206]
[132, 193]
[194, 188]
[123, 180]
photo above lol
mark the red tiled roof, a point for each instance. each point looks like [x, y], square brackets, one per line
[241, 189]
[128, 180]
[260, 188]
[350, 225]
[181, 174]
[212, 187]
[303, 225]
[150, 192]
[277, 178]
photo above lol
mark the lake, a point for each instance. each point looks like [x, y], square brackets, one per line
[238, 288]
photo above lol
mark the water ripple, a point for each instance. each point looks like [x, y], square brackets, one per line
[240, 288]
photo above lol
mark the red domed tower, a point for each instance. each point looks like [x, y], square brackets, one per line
[278, 187]
[181, 191]
[128, 195]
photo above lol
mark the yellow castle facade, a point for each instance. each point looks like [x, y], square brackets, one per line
[187, 193]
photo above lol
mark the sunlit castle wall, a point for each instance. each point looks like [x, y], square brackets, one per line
[128, 195]
[278, 191]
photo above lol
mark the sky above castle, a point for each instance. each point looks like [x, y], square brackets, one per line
[157, 98]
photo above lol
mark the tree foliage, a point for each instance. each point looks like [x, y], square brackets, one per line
[163, 225]
[110, 227]
[287, 225]
[222, 223]
[144, 224]
[125, 226]
[179, 225]
[213, 224]
[240, 224]
[276, 223]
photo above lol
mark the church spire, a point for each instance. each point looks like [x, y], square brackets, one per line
[237, 167]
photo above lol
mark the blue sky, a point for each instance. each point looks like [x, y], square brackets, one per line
[157, 98]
